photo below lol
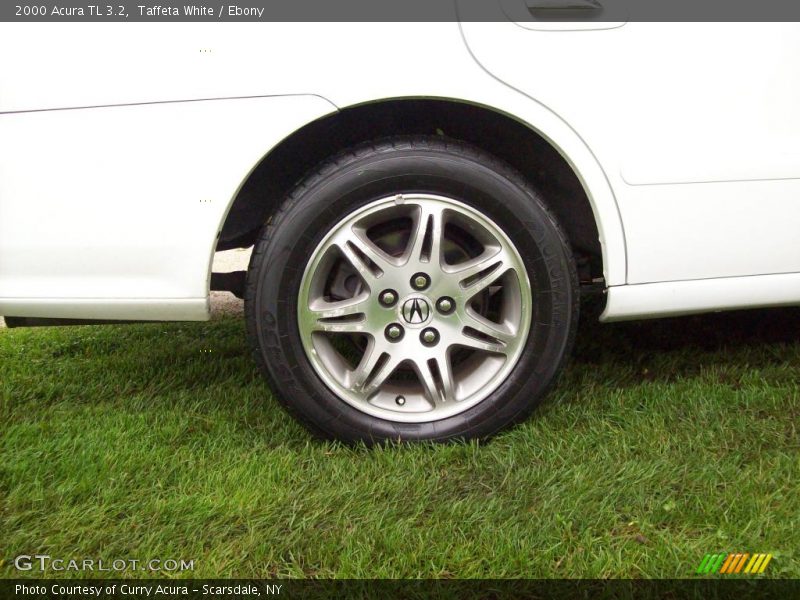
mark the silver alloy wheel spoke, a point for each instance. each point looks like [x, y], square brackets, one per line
[492, 346]
[359, 376]
[410, 360]
[378, 377]
[439, 385]
[426, 241]
[370, 261]
[482, 271]
[500, 332]
[340, 317]
[432, 390]
[446, 375]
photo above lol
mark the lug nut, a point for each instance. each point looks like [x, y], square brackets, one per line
[445, 305]
[394, 332]
[420, 281]
[388, 297]
[400, 400]
[429, 336]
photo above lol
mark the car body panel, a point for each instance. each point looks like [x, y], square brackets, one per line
[118, 167]
[123, 204]
[676, 298]
[695, 124]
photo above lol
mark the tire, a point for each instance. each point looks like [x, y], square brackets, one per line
[456, 205]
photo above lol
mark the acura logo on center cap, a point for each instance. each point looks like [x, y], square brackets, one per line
[416, 311]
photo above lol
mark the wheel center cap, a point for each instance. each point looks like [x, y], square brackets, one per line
[416, 311]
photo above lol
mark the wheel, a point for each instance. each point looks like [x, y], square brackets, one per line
[411, 289]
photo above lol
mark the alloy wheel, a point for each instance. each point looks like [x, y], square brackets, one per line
[414, 308]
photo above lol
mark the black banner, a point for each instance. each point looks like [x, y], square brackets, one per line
[707, 589]
[402, 10]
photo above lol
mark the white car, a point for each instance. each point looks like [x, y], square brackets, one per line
[426, 202]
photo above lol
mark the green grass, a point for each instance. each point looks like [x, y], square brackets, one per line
[664, 441]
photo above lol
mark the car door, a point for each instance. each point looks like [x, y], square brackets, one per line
[695, 124]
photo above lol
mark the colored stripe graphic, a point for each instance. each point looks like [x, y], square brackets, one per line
[765, 563]
[740, 564]
[734, 563]
[703, 564]
[728, 562]
[715, 566]
[709, 564]
[755, 562]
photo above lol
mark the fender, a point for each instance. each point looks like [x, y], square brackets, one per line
[543, 121]
[124, 222]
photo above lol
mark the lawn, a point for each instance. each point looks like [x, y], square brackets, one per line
[664, 441]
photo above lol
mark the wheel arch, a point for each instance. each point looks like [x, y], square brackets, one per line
[551, 156]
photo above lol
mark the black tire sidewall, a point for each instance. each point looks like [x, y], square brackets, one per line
[324, 199]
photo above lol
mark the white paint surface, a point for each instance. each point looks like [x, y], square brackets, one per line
[683, 135]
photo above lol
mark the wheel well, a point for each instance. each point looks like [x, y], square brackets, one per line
[494, 132]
